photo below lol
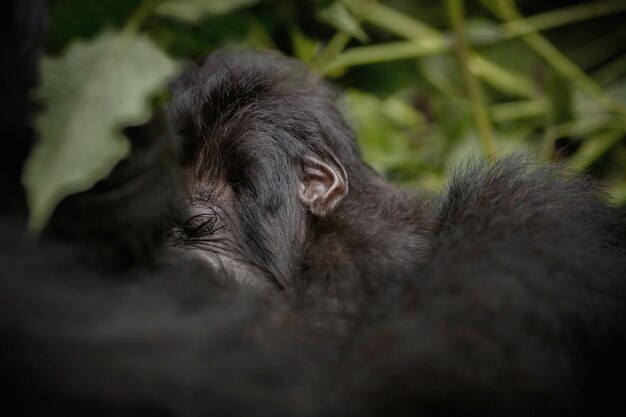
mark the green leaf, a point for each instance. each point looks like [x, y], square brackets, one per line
[89, 95]
[403, 114]
[304, 48]
[338, 16]
[383, 139]
[193, 10]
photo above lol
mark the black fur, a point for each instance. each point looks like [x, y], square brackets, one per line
[520, 311]
[507, 297]
[252, 119]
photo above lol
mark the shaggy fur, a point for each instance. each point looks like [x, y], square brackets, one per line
[505, 297]
[252, 119]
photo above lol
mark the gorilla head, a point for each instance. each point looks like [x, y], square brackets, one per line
[277, 185]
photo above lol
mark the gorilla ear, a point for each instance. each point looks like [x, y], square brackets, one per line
[323, 185]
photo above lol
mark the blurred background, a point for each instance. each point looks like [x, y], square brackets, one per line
[426, 83]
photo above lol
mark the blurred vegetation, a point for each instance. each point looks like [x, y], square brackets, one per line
[427, 83]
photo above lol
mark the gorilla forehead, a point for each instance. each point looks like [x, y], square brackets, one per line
[231, 88]
[236, 101]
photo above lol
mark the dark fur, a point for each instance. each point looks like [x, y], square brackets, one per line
[507, 298]
[252, 119]
[520, 311]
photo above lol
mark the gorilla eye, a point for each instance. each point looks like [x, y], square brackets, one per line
[200, 225]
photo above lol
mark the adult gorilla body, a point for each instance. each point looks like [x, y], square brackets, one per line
[505, 298]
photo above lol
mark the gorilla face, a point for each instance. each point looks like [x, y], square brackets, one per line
[260, 169]
[251, 227]
[208, 228]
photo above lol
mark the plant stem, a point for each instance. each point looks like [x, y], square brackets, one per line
[562, 17]
[410, 28]
[592, 149]
[481, 116]
[139, 16]
[398, 22]
[388, 52]
[324, 60]
[556, 59]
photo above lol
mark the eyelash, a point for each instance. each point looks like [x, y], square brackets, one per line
[200, 225]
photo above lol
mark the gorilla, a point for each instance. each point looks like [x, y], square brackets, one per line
[277, 187]
[244, 260]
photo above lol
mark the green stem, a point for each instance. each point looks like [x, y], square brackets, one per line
[592, 149]
[523, 109]
[556, 59]
[562, 17]
[456, 14]
[611, 71]
[586, 126]
[397, 22]
[388, 52]
[139, 16]
[323, 61]
[411, 28]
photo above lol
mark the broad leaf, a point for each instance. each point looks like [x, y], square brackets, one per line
[194, 10]
[88, 96]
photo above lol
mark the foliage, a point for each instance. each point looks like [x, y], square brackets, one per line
[193, 10]
[427, 83]
[90, 93]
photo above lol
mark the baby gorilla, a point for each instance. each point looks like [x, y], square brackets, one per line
[278, 189]
[506, 297]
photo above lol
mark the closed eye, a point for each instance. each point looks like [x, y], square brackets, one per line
[200, 225]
